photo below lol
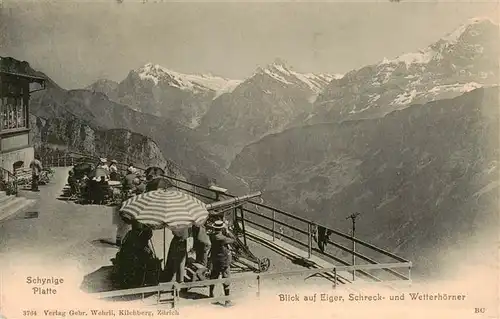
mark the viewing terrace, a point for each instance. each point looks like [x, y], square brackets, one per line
[287, 240]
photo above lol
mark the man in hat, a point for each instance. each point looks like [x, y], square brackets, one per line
[220, 256]
[103, 164]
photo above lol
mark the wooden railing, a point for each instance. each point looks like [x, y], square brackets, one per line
[58, 160]
[259, 279]
[288, 227]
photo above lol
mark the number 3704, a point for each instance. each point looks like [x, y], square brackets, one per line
[28, 313]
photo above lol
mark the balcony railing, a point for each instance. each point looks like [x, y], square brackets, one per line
[287, 227]
[259, 280]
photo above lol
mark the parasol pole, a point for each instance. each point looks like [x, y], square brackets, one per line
[164, 247]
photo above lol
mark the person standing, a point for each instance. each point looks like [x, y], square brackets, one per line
[156, 182]
[72, 182]
[121, 226]
[201, 244]
[176, 257]
[113, 171]
[220, 256]
[323, 238]
[128, 182]
[103, 164]
[155, 179]
[127, 192]
[36, 170]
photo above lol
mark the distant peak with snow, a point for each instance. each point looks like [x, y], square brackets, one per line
[197, 83]
[279, 62]
[434, 51]
[481, 20]
[280, 71]
[455, 35]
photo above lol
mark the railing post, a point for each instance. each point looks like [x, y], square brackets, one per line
[309, 240]
[174, 300]
[258, 286]
[335, 278]
[274, 224]
[243, 224]
[409, 276]
[353, 218]
[353, 259]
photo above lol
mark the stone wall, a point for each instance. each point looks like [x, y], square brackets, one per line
[8, 159]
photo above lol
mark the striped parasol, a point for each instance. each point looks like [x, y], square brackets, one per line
[165, 208]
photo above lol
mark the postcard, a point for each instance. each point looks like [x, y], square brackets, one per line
[232, 159]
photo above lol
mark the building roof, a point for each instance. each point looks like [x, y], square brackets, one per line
[35, 78]
[13, 67]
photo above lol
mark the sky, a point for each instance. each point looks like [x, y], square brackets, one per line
[77, 42]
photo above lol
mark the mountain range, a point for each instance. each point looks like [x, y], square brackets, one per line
[263, 104]
[230, 114]
[461, 61]
[409, 142]
[86, 121]
[155, 90]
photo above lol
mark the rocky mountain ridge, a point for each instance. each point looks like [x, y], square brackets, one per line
[156, 90]
[60, 112]
[119, 144]
[263, 104]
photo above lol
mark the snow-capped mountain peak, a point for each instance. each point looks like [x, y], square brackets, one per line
[460, 61]
[454, 36]
[435, 51]
[281, 72]
[197, 83]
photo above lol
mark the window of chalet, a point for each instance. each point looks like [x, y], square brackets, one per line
[13, 108]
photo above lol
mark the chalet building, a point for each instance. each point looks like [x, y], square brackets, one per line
[16, 85]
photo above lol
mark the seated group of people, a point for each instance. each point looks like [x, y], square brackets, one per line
[136, 265]
[133, 183]
[92, 181]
